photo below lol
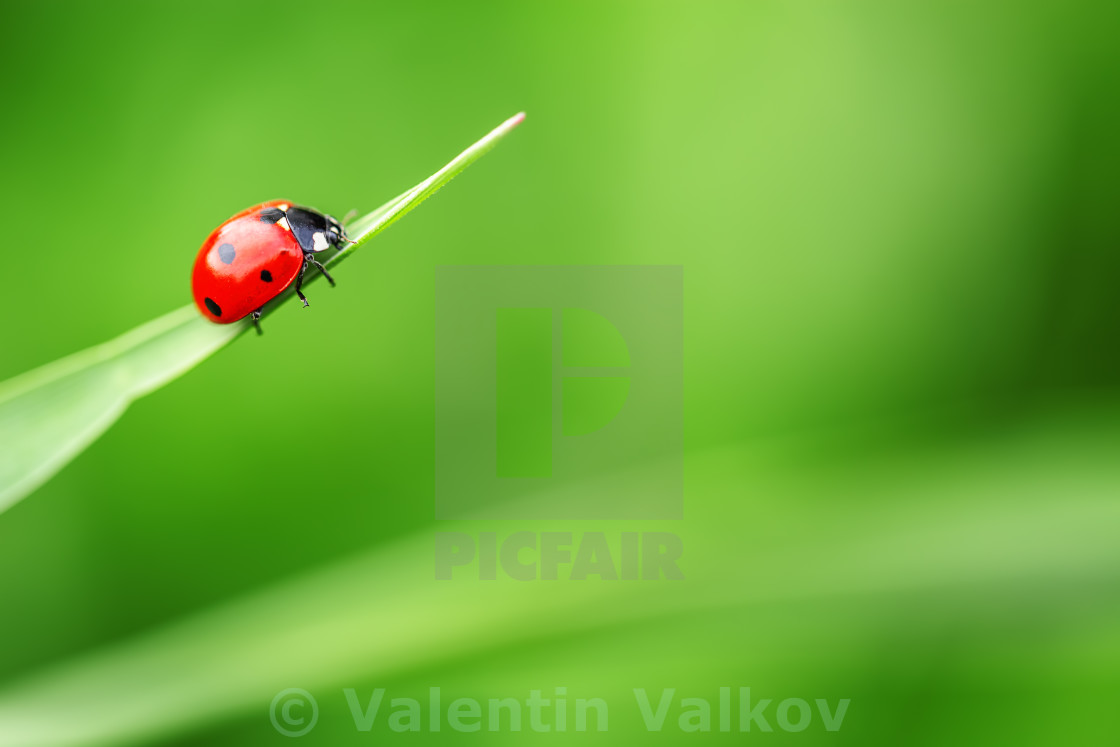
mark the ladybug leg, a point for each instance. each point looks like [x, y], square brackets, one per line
[299, 282]
[256, 316]
[322, 269]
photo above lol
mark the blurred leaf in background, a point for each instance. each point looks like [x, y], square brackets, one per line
[901, 419]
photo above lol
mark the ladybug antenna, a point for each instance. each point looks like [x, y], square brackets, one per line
[349, 216]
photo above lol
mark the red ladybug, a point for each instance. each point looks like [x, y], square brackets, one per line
[256, 254]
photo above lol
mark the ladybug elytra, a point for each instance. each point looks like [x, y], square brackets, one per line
[252, 257]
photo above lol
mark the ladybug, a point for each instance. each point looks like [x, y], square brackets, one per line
[252, 257]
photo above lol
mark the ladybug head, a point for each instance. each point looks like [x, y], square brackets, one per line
[336, 234]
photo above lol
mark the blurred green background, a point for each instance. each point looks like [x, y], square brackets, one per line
[902, 416]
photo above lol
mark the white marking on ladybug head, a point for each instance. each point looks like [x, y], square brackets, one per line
[283, 207]
[283, 223]
[318, 241]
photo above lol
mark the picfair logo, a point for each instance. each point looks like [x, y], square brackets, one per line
[558, 392]
[593, 383]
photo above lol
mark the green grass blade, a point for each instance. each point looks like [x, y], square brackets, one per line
[49, 415]
[380, 219]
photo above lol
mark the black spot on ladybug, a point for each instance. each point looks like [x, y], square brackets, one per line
[271, 215]
[215, 309]
[266, 276]
[226, 253]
